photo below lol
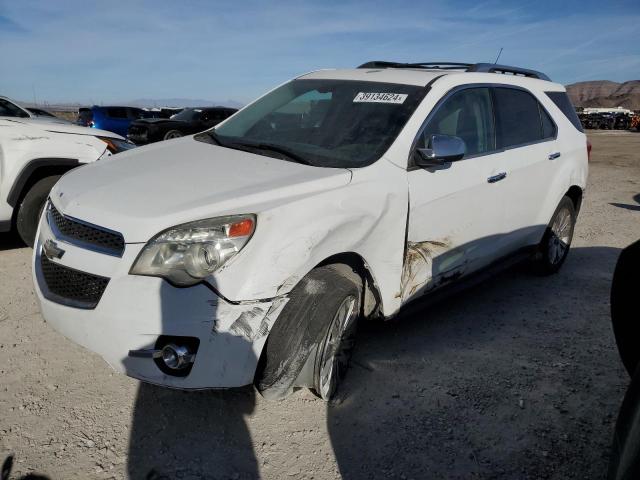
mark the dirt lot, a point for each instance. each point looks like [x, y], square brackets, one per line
[517, 378]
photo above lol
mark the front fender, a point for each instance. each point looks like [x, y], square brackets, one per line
[367, 217]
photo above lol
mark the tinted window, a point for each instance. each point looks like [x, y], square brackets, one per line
[517, 117]
[561, 99]
[8, 109]
[117, 112]
[467, 114]
[548, 127]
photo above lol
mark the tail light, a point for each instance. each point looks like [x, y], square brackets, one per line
[588, 150]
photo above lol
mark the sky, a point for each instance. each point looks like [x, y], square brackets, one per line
[117, 51]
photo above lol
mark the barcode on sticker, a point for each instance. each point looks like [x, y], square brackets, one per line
[373, 97]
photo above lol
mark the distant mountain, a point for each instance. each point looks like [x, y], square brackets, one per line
[604, 93]
[180, 102]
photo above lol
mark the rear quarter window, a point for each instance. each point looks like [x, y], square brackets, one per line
[561, 99]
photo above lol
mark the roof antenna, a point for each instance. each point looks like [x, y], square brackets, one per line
[499, 53]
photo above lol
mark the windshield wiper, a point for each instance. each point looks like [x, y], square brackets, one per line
[277, 149]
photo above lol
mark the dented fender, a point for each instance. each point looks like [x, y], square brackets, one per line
[366, 217]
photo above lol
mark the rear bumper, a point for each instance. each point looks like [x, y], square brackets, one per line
[135, 310]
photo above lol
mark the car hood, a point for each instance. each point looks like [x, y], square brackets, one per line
[144, 191]
[62, 127]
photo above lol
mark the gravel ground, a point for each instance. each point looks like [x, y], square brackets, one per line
[516, 378]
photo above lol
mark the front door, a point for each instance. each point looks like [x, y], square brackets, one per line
[456, 212]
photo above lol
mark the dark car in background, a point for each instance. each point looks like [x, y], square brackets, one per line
[112, 119]
[187, 122]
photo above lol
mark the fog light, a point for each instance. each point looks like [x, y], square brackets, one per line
[176, 357]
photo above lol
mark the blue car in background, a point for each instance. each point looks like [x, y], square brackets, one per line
[112, 119]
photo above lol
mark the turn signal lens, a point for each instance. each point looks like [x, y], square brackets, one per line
[241, 229]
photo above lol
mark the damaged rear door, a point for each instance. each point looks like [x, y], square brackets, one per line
[456, 211]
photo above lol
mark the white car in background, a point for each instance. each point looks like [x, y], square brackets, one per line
[34, 154]
[247, 253]
[10, 109]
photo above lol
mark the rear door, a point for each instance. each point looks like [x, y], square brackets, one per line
[456, 211]
[527, 135]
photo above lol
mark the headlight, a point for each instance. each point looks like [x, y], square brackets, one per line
[187, 253]
[116, 146]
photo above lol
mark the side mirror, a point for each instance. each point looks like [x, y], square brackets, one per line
[440, 150]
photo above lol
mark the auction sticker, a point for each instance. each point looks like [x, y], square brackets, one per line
[371, 97]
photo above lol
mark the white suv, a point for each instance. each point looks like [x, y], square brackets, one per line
[248, 253]
[34, 154]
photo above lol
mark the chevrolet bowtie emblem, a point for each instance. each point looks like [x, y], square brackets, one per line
[51, 250]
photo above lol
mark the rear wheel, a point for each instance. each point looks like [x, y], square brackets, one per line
[31, 208]
[317, 325]
[555, 244]
[172, 134]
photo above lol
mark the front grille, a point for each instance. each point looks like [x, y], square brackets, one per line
[86, 235]
[71, 287]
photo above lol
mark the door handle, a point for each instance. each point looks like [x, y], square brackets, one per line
[497, 178]
[553, 156]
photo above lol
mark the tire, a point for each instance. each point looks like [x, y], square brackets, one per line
[172, 134]
[311, 328]
[556, 241]
[624, 463]
[31, 207]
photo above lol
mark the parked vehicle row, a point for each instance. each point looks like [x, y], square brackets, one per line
[187, 122]
[113, 119]
[249, 252]
[607, 121]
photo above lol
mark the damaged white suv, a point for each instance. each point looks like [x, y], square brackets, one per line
[249, 252]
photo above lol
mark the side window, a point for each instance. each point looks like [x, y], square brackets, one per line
[548, 127]
[517, 117]
[117, 112]
[467, 114]
[8, 109]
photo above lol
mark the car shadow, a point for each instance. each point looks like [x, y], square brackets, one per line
[635, 208]
[495, 383]
[10, 241]
[199, 434]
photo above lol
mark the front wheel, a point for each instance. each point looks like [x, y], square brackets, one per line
[317, 325]
[555, 244]
[172, 134]
[31, 208]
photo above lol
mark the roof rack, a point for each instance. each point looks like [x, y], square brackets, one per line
[467, 67]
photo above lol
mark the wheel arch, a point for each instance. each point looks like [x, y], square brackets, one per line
[575, 194]
[35, 170]
[372, 299]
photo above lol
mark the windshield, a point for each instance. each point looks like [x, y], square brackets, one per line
[188, 115]
[326, 123]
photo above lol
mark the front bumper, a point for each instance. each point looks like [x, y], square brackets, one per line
[134, 311]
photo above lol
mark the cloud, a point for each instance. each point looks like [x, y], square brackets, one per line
[119, 50]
